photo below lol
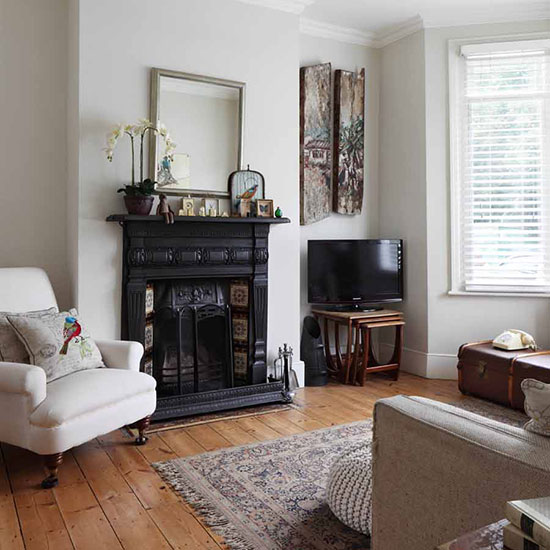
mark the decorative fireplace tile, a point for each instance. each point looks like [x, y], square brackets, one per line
[240, 328]
[240, 363]
[148, 366]
[149, 300]
[148, 345]
[239, 294]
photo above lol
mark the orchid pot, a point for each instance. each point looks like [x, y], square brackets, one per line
[138, 195]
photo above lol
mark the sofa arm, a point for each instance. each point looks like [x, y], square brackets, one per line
[119, 354]
[440, 471]
[26, 380]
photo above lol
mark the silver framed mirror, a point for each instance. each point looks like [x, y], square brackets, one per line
[205, 118]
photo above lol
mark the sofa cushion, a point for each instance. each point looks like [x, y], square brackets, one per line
[58, 343]
[85, 392]
[12, 350]
[537, 406]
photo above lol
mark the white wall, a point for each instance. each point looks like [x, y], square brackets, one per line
[33, 147]
[453, 320]
[403, 182]
[73, 143]
[349, 57]
[71, 68]
[414, 203]
[119, 43]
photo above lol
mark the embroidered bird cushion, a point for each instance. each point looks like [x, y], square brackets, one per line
[58, 343]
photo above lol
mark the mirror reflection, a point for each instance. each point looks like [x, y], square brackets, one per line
[205, 119]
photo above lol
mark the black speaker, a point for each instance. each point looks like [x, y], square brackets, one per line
[312, 353]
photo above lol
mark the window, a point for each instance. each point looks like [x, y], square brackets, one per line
[500, 166]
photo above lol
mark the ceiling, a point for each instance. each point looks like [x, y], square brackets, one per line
[382, 16]
[379, 22]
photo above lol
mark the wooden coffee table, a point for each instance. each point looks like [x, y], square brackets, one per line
[486, 538]
[360, 358]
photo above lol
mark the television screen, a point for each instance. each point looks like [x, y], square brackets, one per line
[355, 271]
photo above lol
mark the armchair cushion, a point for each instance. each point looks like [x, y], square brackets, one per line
[85, 392]
[58, 343]
[12, 350]
[89, 403]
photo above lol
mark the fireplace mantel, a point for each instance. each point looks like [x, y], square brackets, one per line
[195, 248]
[123, 218]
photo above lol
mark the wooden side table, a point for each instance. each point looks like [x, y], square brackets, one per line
[360, 358]
[369, 362]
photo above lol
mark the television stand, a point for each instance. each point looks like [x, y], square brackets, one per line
[358, 308]
[360, 358]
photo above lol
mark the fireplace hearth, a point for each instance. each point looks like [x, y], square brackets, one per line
[195, 294]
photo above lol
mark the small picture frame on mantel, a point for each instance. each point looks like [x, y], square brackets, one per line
[211, 207]
[264, 208]
[188, 206]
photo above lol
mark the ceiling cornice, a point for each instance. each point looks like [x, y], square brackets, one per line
[397, 32]
[529, 11]
[335, 32]
[290, 6]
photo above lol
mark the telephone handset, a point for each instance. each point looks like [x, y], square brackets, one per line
[514, 339]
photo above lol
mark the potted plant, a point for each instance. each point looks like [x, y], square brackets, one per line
[138, 196]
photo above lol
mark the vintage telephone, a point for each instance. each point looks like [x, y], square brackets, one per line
[513, 339]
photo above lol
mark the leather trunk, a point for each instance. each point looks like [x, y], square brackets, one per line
[496, 375]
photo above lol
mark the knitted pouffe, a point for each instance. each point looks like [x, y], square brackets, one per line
[349, 487]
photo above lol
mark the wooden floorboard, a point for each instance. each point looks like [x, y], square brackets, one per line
[110, 497]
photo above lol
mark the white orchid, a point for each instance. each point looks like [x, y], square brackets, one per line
[138, 131]
[112, 138]
[142, 126]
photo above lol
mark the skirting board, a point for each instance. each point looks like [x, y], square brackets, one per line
[427, 365]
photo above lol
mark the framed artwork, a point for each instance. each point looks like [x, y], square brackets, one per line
[264, 208]
[188, 206]
[349, 141]
[245, 208]
[315, 147]
[211, 207]
[245, 185]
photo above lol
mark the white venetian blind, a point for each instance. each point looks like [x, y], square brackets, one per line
[504, 150]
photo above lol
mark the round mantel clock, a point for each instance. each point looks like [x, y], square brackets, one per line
[245, 186]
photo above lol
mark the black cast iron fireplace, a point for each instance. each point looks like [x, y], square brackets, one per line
[195, 294]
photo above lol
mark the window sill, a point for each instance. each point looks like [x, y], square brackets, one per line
[498, 294]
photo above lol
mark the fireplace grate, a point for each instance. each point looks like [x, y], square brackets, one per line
[192, 341]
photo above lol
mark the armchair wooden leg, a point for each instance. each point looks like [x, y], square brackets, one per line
[52, 463]
[142, 425]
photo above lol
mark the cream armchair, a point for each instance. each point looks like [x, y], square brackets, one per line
[50, 418]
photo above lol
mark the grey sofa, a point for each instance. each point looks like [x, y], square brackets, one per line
[440, 472]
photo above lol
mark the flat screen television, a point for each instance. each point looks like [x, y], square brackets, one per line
[355, 272]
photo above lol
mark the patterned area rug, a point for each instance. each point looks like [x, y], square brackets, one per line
[493, 411]
[270, 495]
